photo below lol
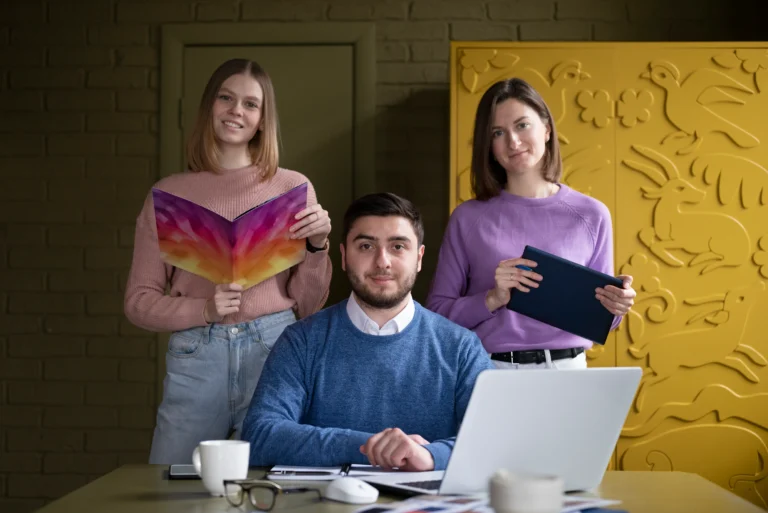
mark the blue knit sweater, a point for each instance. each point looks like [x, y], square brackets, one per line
[327, 387]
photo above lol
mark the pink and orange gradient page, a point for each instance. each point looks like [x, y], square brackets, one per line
[253, 247]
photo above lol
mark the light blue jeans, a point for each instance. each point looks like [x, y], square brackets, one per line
[212, 372]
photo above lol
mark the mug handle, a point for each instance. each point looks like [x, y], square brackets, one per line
[196, 460]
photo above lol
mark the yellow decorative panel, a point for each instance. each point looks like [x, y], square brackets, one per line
[672, 138]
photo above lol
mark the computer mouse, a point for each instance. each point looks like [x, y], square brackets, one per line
[351, 490]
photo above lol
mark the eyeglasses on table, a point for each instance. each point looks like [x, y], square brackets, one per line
[261, 494]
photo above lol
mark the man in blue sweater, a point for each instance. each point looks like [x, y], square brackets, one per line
[376, 378]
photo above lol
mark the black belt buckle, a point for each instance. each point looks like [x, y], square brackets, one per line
[522, 357]
[536, 355]
[571, 352]
[502, 357]
[532, 356]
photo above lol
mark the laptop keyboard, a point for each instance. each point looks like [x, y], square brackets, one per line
[424, 485]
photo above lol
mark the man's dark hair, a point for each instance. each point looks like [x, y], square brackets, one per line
[383, 204]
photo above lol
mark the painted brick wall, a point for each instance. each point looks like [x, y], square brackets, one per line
[78, 151]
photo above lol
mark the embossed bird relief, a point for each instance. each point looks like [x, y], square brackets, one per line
[698, 347]
[689, 104]
[716, 239]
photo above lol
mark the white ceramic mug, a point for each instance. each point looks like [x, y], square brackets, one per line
[217, 460]
[524, 493]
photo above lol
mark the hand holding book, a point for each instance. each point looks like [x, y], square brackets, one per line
[225, 301]
[313, 224]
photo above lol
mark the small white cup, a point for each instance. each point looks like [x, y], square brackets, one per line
[217, 460]
[525, 493]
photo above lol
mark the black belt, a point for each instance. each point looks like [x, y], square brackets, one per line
[536, 355]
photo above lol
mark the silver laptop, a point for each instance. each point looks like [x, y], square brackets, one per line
[555, 422]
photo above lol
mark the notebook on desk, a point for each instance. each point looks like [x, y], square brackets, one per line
[557, 422]
[565, 297]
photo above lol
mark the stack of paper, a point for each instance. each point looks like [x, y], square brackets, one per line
[456, 504]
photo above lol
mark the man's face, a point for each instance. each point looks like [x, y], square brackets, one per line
[382, 258]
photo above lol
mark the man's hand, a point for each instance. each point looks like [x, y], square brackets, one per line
[392, 448]
[419, 439]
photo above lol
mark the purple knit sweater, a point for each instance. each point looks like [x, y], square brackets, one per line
[481, 234]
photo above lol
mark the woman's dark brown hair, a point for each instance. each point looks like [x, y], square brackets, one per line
[488, 177]
[202, 150]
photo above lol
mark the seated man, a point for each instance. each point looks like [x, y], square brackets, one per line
[376, 378]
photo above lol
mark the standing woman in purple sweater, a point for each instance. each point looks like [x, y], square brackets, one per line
[516, 170]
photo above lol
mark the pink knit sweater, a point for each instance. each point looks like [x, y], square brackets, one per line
[304, 287]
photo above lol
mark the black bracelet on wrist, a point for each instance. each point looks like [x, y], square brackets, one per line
[313, 249]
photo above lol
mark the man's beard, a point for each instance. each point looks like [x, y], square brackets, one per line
[381, 301]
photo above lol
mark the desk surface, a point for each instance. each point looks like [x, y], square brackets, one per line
[145, 488]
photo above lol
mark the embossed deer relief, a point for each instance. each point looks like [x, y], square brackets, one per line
[744, 462]
[698, 347]
[716, 239]
[717, 398]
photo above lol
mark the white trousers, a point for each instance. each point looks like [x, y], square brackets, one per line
[577, 362]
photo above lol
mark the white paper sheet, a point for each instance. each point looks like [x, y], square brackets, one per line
[458, 504]
[292, 473]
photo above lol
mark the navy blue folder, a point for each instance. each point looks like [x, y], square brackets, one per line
[565, 297]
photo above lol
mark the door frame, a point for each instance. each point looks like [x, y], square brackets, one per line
[175, 37]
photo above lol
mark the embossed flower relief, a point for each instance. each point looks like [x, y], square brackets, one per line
[643, 271]
[653, 302]
[597, 107]
[760, 257]
[633, 107]
[478, 62]
[751, 60]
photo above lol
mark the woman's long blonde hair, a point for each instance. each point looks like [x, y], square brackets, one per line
[202, 150]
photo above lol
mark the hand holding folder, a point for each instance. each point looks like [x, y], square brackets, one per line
[565, 297]
[507, 279]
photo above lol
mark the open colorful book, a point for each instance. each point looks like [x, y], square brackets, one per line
[253, 247]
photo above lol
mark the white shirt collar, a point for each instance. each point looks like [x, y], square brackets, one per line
[365, 324]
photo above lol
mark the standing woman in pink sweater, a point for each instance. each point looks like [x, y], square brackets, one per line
[222, 334]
